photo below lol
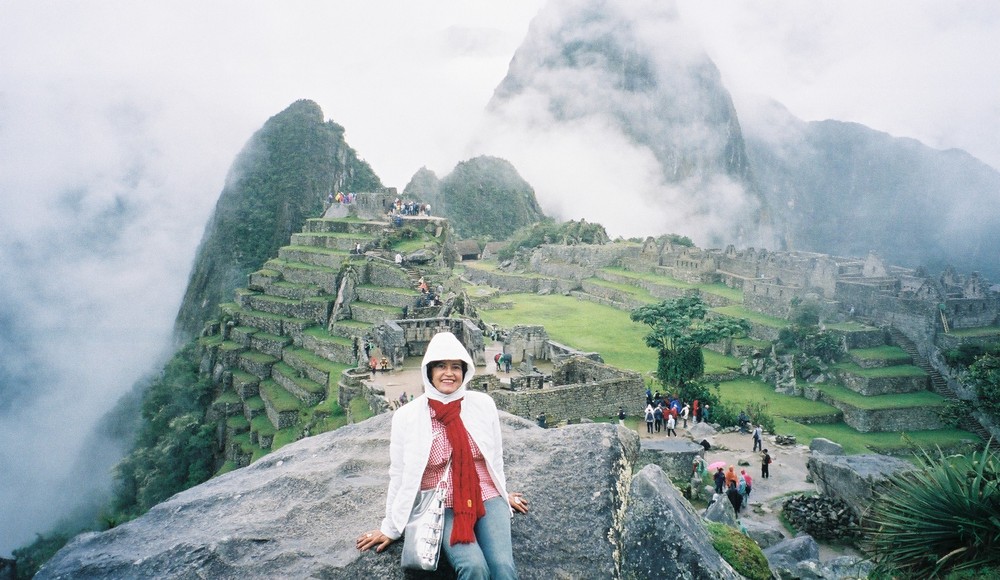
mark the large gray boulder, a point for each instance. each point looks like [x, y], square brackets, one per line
[785, 556]
[675, 455]
[854, 478]
[825, 446]
[663, 536]
[296, 512]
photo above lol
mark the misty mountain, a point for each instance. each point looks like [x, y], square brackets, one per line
[424, 186]
[634, 69]
[280, 178]
[845, 189]
[486, 196]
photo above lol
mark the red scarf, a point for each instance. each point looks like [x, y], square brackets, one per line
[468, 496]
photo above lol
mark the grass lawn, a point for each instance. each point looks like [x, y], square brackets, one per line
[871, 403]
[885, 353]
[748, 390]
[718, 289]
[977, 332]
[858, 443]
[882, 372]
[575, 323]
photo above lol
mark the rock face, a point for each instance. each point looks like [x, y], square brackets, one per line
[663, 537]
[296, 512]
[281, 177]
[854, 478]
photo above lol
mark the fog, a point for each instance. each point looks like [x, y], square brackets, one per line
[119, 120]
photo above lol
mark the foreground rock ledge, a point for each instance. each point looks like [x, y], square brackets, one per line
[296, 512]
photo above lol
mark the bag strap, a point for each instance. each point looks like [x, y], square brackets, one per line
[444, 476]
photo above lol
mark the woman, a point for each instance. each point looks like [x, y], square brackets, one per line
[450, 421]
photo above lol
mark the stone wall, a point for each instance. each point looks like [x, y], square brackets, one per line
[399, 339]
[881, 420]
[526, 340]
[597, 390]
[873, 386]
[519, 283]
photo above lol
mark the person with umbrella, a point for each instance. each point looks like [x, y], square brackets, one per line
[719, 477]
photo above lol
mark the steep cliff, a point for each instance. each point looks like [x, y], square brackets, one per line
[281, 177]
[630, 78]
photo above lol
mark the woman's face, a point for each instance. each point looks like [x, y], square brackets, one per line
[446, 376]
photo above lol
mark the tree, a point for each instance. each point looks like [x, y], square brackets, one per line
[984, 375]
[680, 327]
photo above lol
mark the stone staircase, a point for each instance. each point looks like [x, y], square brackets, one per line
[278, 354]
[940, 386]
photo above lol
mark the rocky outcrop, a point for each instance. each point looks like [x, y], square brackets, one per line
[664, 537]
[854, 478]
[296, 512]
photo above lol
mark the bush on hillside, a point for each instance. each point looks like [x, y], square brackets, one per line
[485, 196]
[549, 232]
[984, 376]
[940, 519]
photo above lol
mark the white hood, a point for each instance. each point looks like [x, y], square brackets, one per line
[444, 346]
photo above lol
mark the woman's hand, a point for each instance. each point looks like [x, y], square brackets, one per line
[373, 538]
[517, 501]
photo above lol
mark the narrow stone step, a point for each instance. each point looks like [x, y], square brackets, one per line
[282, 407]
[306, 390]
[374, 313]
[313, 255]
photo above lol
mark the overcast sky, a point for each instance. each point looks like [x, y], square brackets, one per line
[119, 120]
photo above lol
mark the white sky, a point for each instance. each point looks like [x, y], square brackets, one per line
[140, 107]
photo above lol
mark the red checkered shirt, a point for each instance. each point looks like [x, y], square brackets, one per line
[440, 451]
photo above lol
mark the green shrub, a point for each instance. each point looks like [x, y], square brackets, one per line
[940, 519]
[742, 553]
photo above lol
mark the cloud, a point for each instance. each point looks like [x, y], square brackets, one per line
[119, 120]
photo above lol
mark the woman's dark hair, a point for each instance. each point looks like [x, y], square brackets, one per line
[430, 365]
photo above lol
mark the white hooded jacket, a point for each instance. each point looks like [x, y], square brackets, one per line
[411, 437]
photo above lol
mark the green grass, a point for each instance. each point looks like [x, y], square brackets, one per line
[754, 317]
[258, 357]
[742, 553]
[360, 409]
[872, 403]
[285, 436]
[262, 425]
[716, 363]
[732, 294]
[279, 397]
[855, 443]
[894, 371]
[884, 353]
[321, 333]
[308, 385]
[744, 391]
[228, 397]
[634, 292]
[575, 323]
[976, 332]
[238, 423]
[849, 326]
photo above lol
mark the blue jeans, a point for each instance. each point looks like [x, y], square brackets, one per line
[491, 555]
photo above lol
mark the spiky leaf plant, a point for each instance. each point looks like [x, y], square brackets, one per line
[941, 518]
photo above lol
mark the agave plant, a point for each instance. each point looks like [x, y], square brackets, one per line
[941, 518]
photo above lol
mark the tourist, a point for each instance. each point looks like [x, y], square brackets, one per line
[685, 411]
[621, 416]
[399, 259]
[765, 465]
[649, 396]
[695, 410]
[671, 423]
[749, 484]
[507, 360]
[450, 423]
[649, 419]
[542, 421]
[735, 498]
[730, 476]
[741, 487]
[657, 418]
[497, 359]
[384, 364]
[373, 364]
[720, 480]
[705, 412]
[758, 433]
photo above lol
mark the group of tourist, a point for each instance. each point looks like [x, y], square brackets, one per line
[339, 197]
[737, 487]
[410, 208]
[665, 412]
